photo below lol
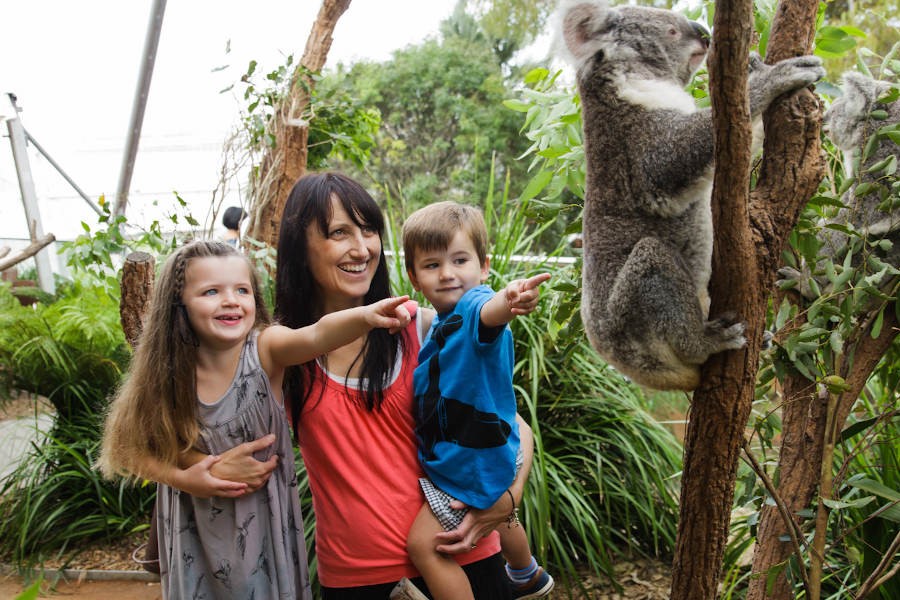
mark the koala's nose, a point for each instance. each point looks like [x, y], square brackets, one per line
[702, 32]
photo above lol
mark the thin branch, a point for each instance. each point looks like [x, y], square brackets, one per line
[29, 251]
[817, 550]
[791, 525]
[873, 582]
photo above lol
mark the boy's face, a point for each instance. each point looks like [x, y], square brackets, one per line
[445, 275]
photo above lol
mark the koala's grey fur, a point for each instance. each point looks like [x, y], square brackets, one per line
[647, 220]
[849, 124]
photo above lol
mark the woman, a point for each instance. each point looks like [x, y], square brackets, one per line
[352, 409]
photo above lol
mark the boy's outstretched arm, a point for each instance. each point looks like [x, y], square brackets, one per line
[519, 297]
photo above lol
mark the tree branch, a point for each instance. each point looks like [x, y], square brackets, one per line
[27, 252]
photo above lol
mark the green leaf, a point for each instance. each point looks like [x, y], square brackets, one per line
[858, 427]
[836, 341]
[882, 491]
[839, 504]
[31, 592]
[537, 183]
[517, 105]
[879, 323]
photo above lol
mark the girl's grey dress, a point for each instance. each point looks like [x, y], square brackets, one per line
[243, 548]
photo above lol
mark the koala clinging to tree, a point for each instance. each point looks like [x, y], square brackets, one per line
[647, 219]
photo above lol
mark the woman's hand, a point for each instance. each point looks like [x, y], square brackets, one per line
[198, 480]
[238, 464]
[475, 525]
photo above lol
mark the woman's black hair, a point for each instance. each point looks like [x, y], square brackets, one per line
[297, 299]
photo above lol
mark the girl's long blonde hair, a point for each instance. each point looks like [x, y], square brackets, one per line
[154, 413]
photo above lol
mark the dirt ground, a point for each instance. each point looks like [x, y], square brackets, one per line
[639, 580]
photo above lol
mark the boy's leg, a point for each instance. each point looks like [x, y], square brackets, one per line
[529, 580]
[446, 579]
[514, 545]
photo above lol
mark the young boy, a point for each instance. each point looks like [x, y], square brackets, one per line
[465, 404]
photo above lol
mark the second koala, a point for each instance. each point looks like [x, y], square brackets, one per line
[647, 221]
[850, 124]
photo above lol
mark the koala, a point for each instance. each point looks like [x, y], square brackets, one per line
[647, 219]
[849, 124]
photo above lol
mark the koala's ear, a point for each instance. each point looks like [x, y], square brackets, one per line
[863, 87]
[580, 20]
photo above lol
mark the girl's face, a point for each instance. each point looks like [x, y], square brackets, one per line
[218, 296]
[342, 262]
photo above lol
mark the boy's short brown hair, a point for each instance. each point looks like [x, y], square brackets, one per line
[433, 227]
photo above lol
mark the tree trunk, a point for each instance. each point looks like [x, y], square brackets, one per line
[745, 259]
[286, 161]
[721, 404]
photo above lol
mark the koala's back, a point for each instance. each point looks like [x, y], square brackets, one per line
[850, 124]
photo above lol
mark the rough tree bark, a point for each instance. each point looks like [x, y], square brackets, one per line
[749, 240]
[283, 164]
[135, 291]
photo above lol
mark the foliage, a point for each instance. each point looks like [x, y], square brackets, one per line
[93, 255]
[339, 125]
[507, 25]
[441, 121]
[55, 499]
[73, 352]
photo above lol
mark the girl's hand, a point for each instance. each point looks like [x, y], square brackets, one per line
[199, 481]
[389, 314]
[475, 525]
[238, 464]
[522, 294]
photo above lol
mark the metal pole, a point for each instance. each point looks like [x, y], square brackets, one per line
[151, 43]
[61, 172]
[29, 201]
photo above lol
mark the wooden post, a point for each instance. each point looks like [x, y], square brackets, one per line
[136, 289]
[405, 590]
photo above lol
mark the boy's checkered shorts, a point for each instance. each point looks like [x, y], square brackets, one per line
[439, 501]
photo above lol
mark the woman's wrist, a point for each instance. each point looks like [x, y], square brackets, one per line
[512, 519]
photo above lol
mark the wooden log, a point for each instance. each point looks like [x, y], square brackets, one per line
[136, 289]
[405, 590]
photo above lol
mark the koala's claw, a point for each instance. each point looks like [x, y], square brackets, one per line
[728, 334]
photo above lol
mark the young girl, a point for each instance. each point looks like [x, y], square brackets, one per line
[207, 376]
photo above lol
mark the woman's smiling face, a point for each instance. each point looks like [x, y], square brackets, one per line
[343, 261]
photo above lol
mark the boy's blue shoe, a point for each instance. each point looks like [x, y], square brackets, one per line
[539, 585]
